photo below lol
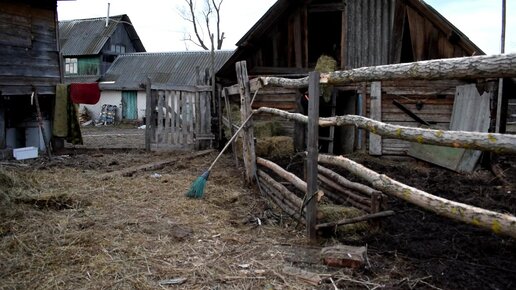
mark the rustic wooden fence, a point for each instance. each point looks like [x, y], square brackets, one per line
[359, 195]
[178, 117]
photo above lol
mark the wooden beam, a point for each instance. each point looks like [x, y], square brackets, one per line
[148, 114]
[245, 112]
[356, 219]
[375, 141]
[290, 177]
[313, 149]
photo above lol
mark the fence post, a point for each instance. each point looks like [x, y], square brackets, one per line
[148, 114]
[245, 111]
[312, 148]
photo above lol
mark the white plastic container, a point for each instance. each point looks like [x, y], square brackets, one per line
[25, 153]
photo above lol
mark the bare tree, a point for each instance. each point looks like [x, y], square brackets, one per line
[201, 19]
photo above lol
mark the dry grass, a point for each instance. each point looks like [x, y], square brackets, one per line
[63, 228]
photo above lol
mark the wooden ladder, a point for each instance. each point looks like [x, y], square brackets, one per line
[331, 137]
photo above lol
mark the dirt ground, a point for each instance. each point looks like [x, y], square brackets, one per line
[64, 227]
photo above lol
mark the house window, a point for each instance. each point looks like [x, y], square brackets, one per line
[118, 48]
[71, 66]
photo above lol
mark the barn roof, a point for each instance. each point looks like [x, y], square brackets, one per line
[282, 8]
[165, 68]
[88, 36]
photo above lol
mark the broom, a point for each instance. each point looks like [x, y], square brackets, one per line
[197, 188]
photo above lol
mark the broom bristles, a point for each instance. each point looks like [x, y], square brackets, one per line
[197, 188]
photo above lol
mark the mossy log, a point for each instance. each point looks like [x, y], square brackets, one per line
[495, 142]
[497, 222]
[473, 67]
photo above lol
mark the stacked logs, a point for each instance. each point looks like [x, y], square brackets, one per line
[336, 188]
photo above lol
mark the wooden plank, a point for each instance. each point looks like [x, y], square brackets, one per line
[313, 149]
[297, 41]
[198, 114]
[148, 114]
[159, 131]
[152, 166]
[467, 100]
[174, 117]
[183, 117]
[168, 116]
[245, 112]
[375, 141]
[191, 120]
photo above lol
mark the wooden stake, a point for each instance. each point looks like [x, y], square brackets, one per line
[148, 114]
[313, 149]
[246, 111]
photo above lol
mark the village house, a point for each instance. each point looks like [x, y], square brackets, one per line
[90, 46]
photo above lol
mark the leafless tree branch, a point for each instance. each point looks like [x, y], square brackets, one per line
[191, 6]
[208, 16]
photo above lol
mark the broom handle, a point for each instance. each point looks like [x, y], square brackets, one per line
[230, 140]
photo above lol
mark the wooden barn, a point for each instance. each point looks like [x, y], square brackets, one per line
[290, 38]
[29, 63]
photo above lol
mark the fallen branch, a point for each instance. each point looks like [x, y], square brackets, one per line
[494, 221]
[495, 142]
[152, 166]
[356, 219]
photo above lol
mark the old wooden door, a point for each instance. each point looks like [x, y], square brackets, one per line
[129, 105]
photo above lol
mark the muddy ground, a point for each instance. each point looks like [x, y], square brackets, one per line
[64, 227]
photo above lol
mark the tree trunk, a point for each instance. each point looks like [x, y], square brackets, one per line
[496, 222]
[473, 67]
[495, 142]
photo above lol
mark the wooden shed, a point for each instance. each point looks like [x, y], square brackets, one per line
[29, 62]
[289, 39]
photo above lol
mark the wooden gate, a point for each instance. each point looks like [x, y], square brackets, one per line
[180, 117]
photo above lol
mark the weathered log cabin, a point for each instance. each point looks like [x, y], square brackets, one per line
[29, 62]
[289, 39]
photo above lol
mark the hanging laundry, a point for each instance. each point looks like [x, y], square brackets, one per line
[85, 93]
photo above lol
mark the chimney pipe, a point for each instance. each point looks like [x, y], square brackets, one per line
[107, 17]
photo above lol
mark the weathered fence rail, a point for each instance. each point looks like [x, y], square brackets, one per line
[369, 199]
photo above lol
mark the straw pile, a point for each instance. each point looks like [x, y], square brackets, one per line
[77, 231]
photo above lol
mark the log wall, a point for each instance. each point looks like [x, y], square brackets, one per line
[28, 48]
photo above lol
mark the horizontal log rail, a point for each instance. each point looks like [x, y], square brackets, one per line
[497, 222]
[473, 67]
[495, 142]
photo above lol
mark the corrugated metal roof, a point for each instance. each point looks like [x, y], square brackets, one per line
[88, 36]
[165, 68]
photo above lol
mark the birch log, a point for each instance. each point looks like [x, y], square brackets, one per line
[494, 221]
[473, 67]
[346, 182]
[281, 189]
[495, 142]
[296, 181]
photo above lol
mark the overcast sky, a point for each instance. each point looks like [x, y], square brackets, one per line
[160, 27]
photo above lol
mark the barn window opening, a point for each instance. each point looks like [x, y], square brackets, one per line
[324, 34]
